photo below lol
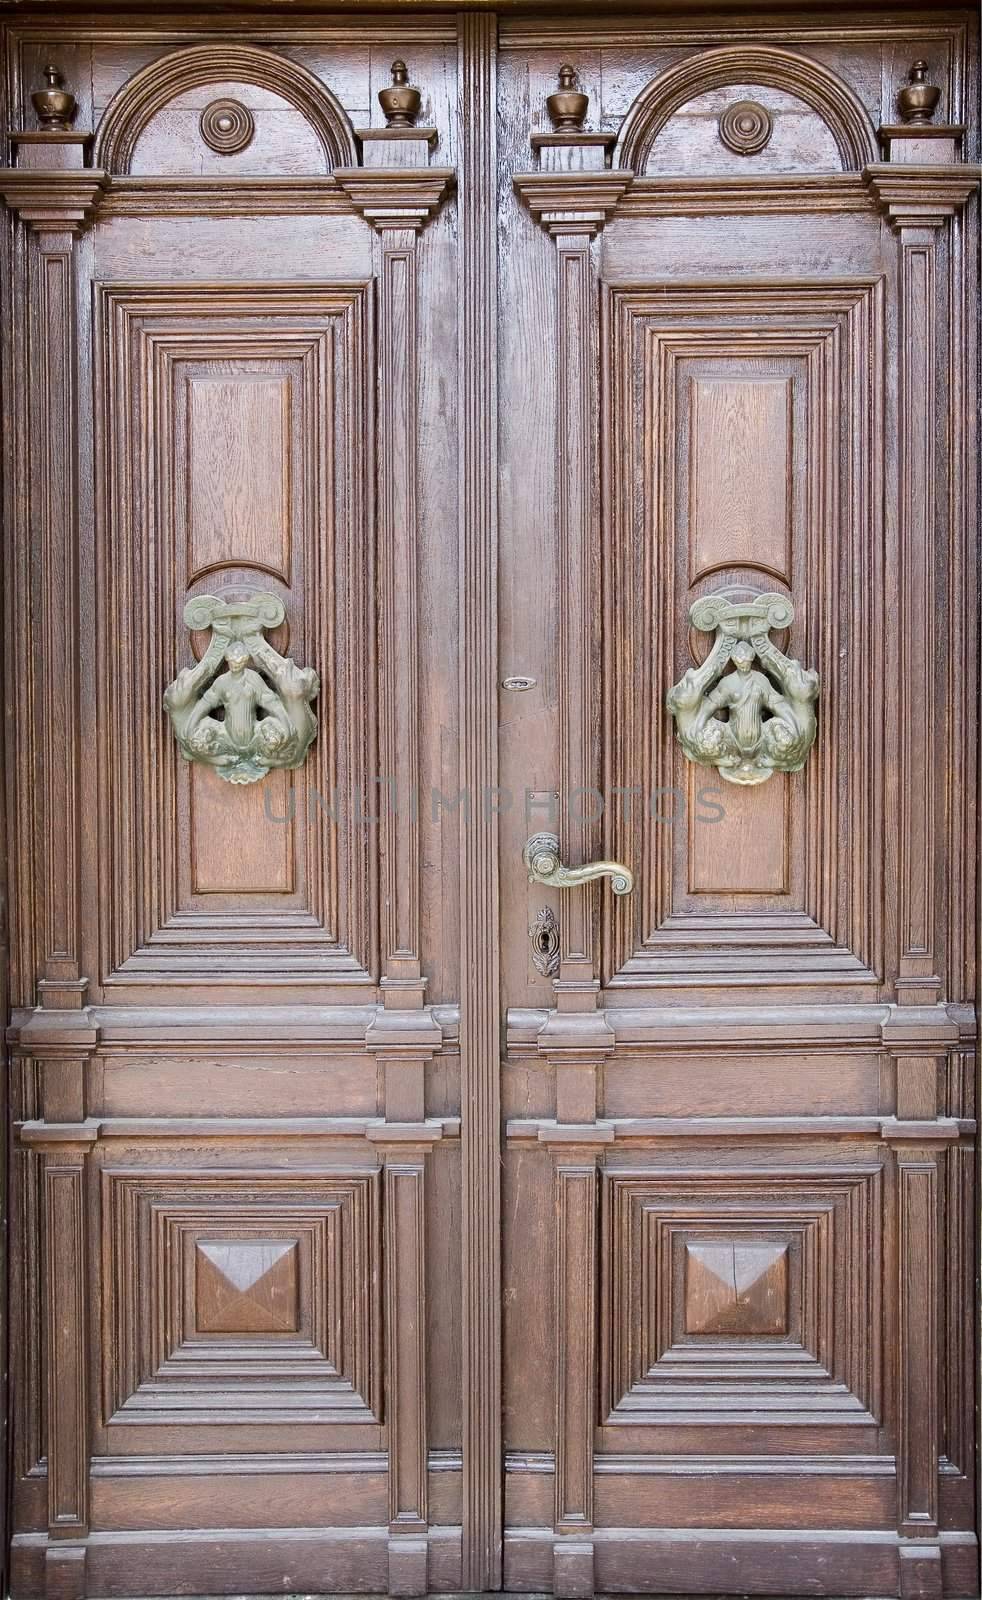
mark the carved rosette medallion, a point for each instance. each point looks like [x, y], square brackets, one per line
[758, 717]
[227, 127]
[745, 127]
[255, 714]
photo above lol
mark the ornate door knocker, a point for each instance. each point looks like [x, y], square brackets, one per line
[256, 714]
[770, 714]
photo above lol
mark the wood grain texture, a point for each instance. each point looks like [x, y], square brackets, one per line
[238, 472]
[741, 458]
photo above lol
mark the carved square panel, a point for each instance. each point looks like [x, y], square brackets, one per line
[245, 1286]
[739, 1293]
[739, 1288]
[246, 1296]
[742, 459]
[237, 436]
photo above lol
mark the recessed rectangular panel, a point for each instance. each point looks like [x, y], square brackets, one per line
[744, 851]
[242, 1296]
[743, 1256]
[728, 476]
[238, 472]
[241, 834]
[740, 459]
[240, 429]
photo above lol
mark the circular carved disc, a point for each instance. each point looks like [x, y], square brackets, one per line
[745, 127]
[227, 127]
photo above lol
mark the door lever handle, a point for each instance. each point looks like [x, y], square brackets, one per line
[541, 857]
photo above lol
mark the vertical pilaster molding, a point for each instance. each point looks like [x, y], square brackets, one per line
[405, 1321]
[403, 1146]
[397, 199]
[572, 206]
[575, 1152]
[55, 196]
[66, 1376]
[576, 1255]
[919, 199]
[917, 980]
[919, 1040]
[575, 429]
[52, 513]
[917, 1445]
[480, 1043]
[398, 536]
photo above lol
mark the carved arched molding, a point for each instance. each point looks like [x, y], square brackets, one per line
[819, 88]
[139, 100]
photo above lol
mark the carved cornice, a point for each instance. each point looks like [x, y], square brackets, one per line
[641, 1131]
[920, 196]
[638, 1030]
[573, 202]
[38, 1133]
[772, 194]
[396, 197]
[53, 202]
[247, 1030]
[184, 195]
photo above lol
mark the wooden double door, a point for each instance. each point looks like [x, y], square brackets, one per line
[389, 484]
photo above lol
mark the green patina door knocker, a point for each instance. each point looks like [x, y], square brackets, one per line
[255, 714]
[760, 717]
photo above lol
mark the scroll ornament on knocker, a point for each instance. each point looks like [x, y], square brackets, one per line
[254, 715]
[758, 717]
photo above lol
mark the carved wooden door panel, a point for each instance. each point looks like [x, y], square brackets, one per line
[738, 1097]
[232, 480]
[491, 669]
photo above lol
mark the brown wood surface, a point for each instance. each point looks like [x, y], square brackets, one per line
[353, 1248]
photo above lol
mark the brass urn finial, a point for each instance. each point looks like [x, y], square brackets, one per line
[401, 103]
[917, 101]
[568, 107]
[55, 105]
